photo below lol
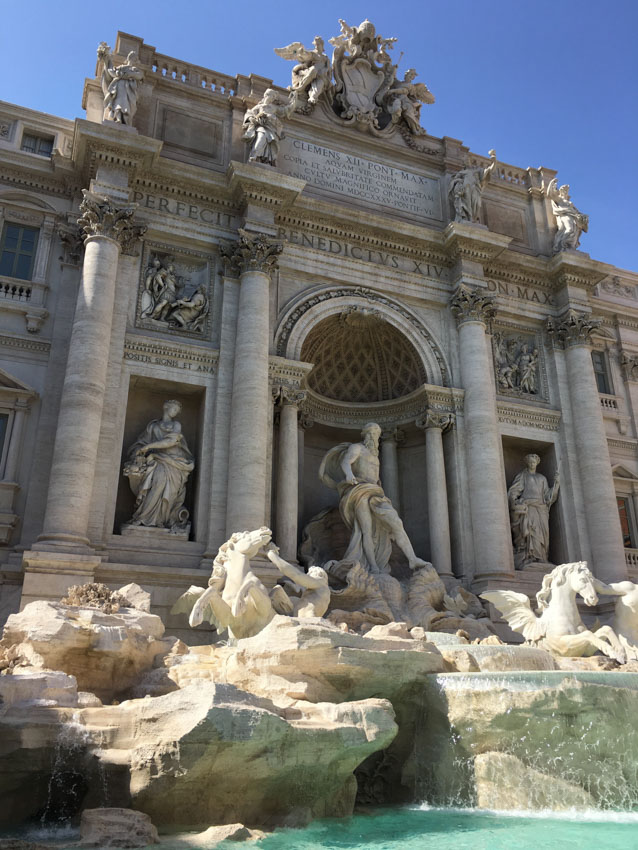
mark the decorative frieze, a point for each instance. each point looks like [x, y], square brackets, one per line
[101, 217]
[253, 252]
[572, 328]
[472, 305]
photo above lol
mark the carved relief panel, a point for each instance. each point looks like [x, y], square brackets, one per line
[174, 292]
[519, 369]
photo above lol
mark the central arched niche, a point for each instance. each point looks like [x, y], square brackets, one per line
[360, 358]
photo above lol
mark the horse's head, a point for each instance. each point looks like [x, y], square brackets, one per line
[250, 542]
[577, 576]
[582, 582]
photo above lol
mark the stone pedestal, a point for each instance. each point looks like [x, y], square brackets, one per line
[435, 423]
[48, 575]
[253, 256]
[486, 480]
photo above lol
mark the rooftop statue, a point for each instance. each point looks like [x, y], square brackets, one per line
[238, 601]
[559, 626]
[312, 74]
[159, 463]
[466, 189]
[570, 222]
[404, 99]
[263, 125]
[119, 84]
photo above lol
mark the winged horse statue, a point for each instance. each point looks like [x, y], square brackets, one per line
[558, 625]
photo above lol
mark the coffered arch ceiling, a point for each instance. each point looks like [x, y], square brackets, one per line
[359, 357]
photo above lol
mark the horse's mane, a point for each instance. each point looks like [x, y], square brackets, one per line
[556, 578]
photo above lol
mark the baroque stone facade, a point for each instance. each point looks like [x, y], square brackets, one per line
[282, 267]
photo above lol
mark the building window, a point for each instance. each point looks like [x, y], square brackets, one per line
[42, 145]
[601, 371]
[625, 522]
[17, 251]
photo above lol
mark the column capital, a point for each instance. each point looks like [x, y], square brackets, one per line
[102, 217]
[395, 434]
[72, 239]
[441, 419]
[572, 328]
[253, 252]
[304, 422]
[288, 395]
[472, 305]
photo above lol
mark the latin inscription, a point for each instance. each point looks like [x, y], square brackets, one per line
[362, 179]
[358, 252]
[170, 362]
[525, 293]
[174, 207]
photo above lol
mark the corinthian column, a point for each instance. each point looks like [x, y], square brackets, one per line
[254, 257]
[288, 472]
[108, 228]
[573, 332]
[390, 464]
[488, 497]
[434, 424]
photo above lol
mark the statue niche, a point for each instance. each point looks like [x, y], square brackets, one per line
[158, 466]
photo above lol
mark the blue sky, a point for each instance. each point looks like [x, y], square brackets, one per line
[544, 82]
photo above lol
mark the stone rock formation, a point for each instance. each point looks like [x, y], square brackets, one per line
[116, 828]
[106, 653]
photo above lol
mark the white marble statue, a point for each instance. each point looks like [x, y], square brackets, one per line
[263, 125]
[159, 463]
[559, 626]
[312, 73]
[353, 470]
[190, 313]
[466, 189]
[530, 497]
[160, 290]
[310, 591]
[119, 85]
[404, 99]
[238, 601]
[625, 619]
[570, 222]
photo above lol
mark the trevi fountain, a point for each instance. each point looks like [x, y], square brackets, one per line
[252, 603]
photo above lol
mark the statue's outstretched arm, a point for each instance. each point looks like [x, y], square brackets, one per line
[290, 571]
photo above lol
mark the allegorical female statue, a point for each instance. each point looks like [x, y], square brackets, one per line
[158, 466]
[530, 497]
[570, 222]
[119, 85]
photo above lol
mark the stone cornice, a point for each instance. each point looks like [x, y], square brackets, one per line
[388, 414]
[527, 416]
[473, 242]
[111, 144]
[25, 344]
[261, 185]
[574, 268]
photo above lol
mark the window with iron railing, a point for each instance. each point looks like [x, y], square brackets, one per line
[17, 250]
